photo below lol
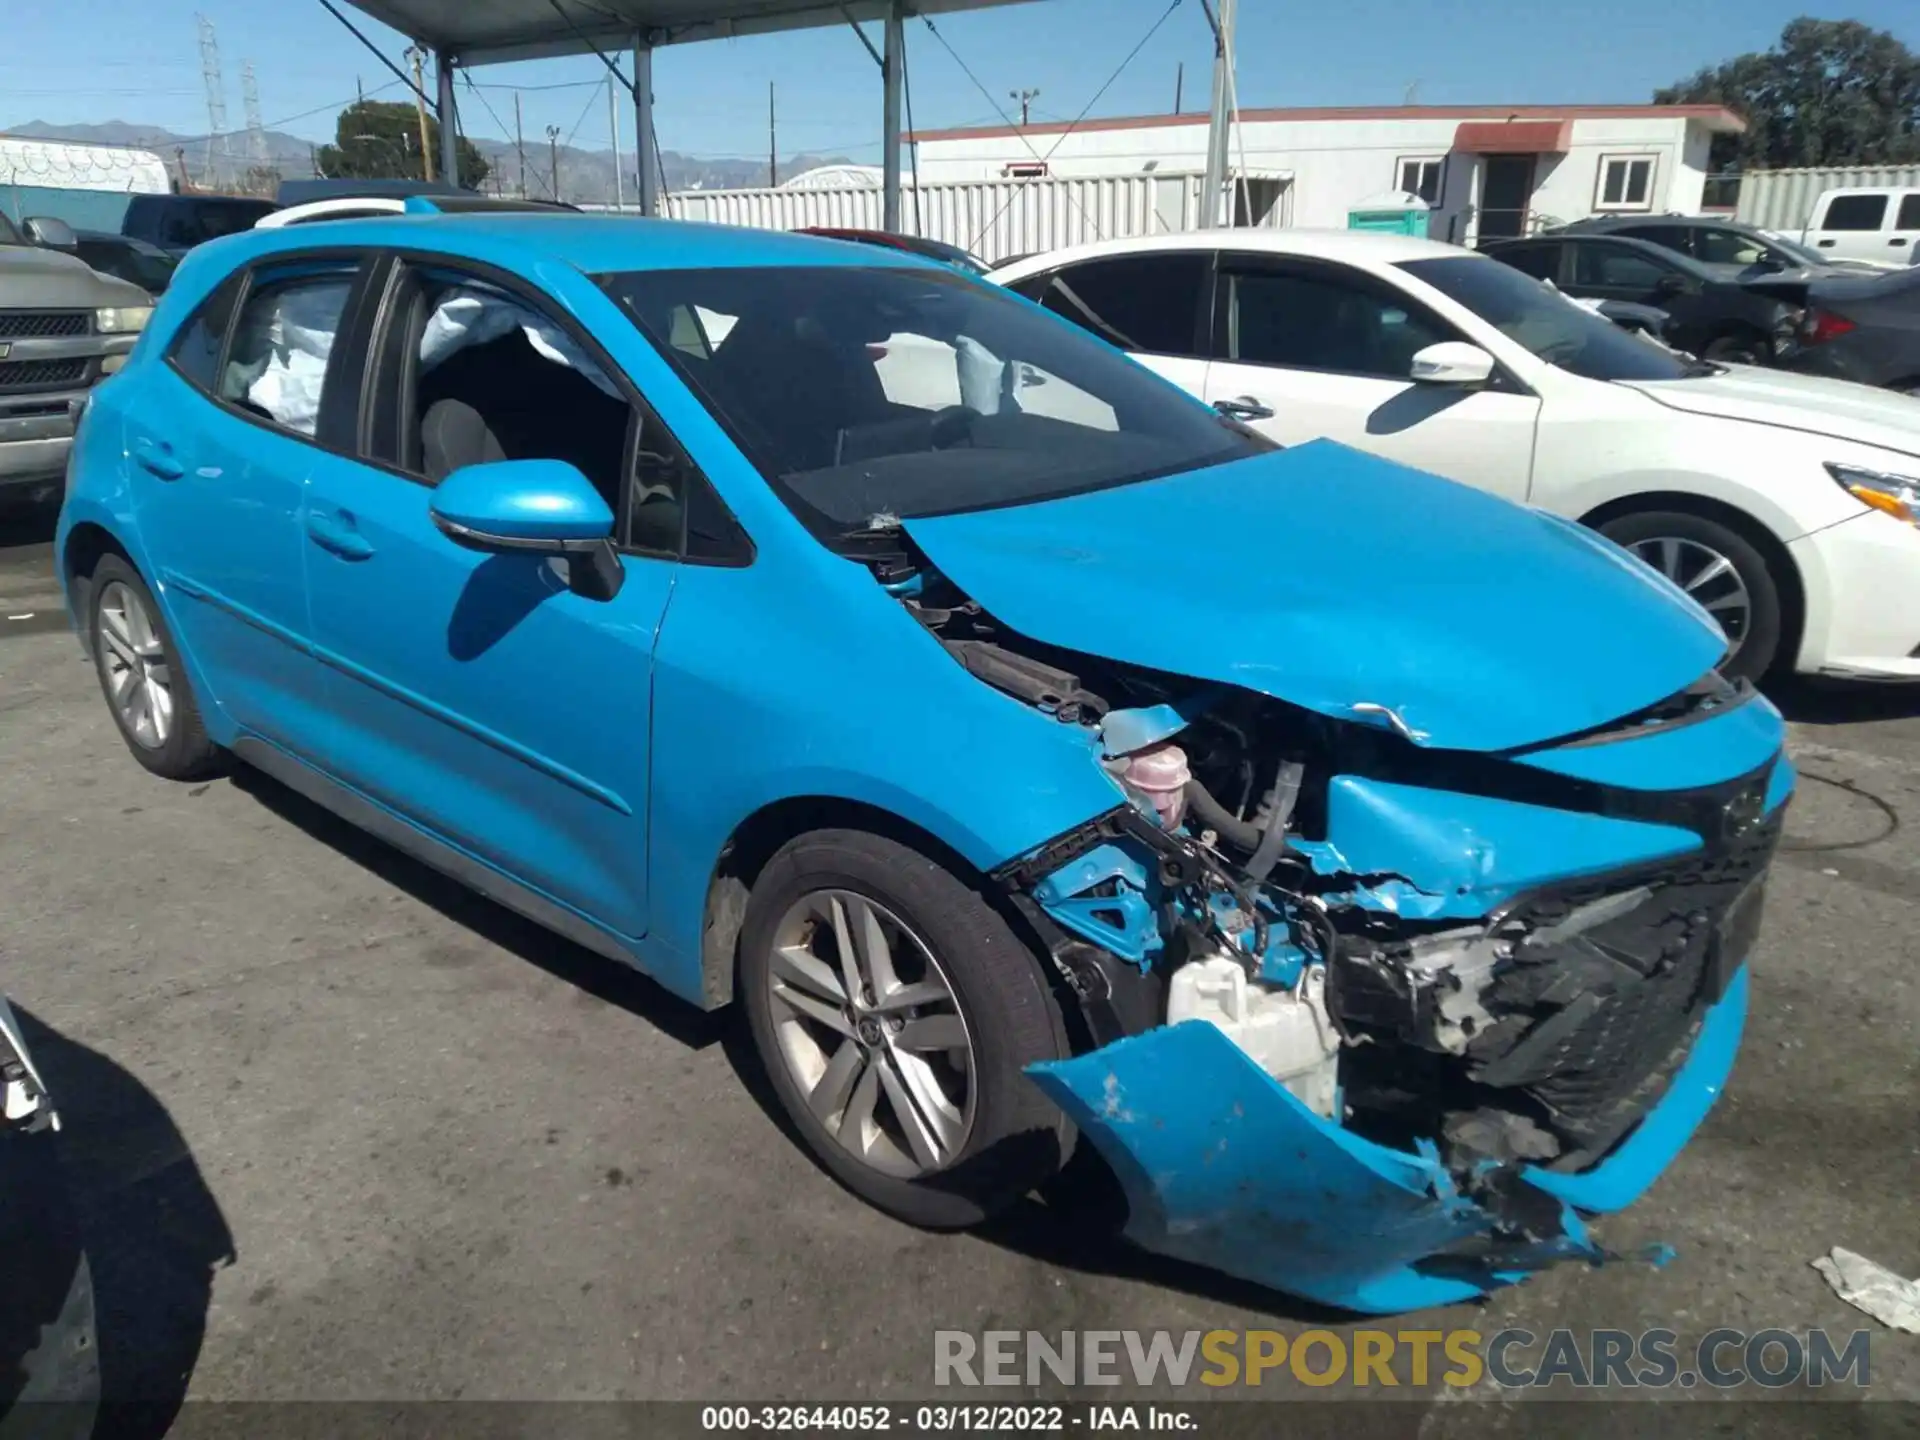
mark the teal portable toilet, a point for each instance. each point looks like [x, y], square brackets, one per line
[1398, 212]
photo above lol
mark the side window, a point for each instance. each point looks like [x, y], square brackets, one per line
[1855, 212]
[195, 352]
[276, 366]
[470, 372]
[1145, 303]
[1671, 237]
[1540, 261]
[1617, 267]
[1730, 247]
[1313, 321]
[1909, 216]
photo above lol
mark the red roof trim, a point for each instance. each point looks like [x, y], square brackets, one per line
[1513, 137]
[1718, 116]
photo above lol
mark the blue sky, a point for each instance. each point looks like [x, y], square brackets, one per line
[93, 60]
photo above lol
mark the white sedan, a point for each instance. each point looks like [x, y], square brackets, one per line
[1787, 506]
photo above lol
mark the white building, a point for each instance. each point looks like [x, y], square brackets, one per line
[1487, 171]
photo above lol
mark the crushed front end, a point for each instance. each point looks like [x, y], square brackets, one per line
[1370, 1020]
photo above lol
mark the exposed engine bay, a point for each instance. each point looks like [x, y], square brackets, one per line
[1326, 893]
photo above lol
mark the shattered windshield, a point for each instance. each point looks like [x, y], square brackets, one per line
[1527, 312]
[907, 391]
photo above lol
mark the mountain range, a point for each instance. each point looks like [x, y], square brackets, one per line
[586, 176]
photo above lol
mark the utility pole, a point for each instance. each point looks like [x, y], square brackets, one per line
[553, 157]
[1024, 99]
[1221, 120]
[519, 144]
[1179, 82]
[417, 58]
[773, 148]
[216, 100]
[613, 124]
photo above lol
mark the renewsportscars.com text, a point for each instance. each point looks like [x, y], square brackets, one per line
[1514, 1358]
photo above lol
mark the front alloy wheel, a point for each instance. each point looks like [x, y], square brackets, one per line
[895, 1010]
[1723, 572]
[871, 1033]
[1709, 577]
[141, 676]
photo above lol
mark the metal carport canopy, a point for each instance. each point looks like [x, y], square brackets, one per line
[484, 32]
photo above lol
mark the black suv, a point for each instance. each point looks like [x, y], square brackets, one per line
[1712, 314]
[177, 223]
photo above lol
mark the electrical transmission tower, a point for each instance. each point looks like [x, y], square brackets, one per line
[216, 99]
[250, 99]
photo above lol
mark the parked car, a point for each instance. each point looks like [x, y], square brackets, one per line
[49, 1355]
[1857, 327]
[125, 258]
[177, 223]
[1880, 223]
[952, 738]
[1719, 242]
[62, 327]
[939, 250]
[1784, 503]
[1711, 313]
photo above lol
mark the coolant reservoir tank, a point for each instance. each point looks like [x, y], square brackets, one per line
[1159, 775]
[1287, 1033]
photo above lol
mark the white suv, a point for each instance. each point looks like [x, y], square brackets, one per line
[1788, 506]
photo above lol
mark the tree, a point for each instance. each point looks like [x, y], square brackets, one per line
[380, 140]
[1829, 92]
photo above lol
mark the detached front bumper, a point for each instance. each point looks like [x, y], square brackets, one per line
[36, 436]
[1223, 1167]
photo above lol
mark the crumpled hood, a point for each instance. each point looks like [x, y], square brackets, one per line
[1811, 403]
[1334, 580]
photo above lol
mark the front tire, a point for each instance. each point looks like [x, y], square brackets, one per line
[894, 1011]
[141, 676]
[1723, 571]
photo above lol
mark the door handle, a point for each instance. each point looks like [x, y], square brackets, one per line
[1244, 407]
[1824, 244]
[1898, 240]
[157, 456]
[338, 534]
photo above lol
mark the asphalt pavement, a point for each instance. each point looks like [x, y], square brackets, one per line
[364, 1135]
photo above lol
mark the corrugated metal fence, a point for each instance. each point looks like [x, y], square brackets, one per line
[995, 219]
[1783, 199]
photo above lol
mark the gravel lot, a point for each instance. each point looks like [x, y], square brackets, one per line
[353, 1133]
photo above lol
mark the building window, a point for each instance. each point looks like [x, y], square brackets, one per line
[1626, 183]
[1425, 176]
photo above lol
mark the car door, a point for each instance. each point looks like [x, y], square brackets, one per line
[1853, 226]
[1328, 351]
[221, 442]
[480, 696]
[1151, 304]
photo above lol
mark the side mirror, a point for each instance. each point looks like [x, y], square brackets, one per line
[543, 507]
[1452, 362]
[53, 233]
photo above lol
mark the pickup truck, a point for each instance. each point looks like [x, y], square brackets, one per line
[63, 328]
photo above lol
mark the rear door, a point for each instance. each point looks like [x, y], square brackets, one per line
[221, 441]
[1153, 305]
[1328, 351]
[1903, 245]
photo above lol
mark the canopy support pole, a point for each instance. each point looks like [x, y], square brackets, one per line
[443, 64]
[890, 69]
[643, 123]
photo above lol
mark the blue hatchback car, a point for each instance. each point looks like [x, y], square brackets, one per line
[1363, 865]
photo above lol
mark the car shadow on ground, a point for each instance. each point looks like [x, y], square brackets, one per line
[153, 1232]
[604, 979]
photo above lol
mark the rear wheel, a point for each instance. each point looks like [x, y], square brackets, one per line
[1721, 570]
[894, 1011]
[140, 674]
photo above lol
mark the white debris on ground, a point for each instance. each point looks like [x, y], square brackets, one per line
[1874, 1289]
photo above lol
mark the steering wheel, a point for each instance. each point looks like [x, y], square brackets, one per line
[952, 424]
